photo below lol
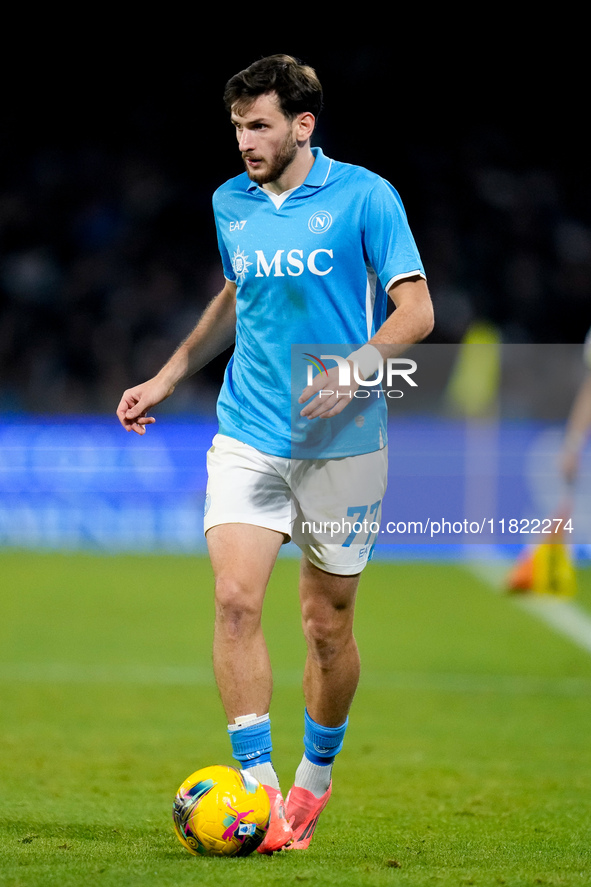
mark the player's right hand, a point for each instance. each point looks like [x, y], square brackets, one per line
[326, 397]
[133, 407]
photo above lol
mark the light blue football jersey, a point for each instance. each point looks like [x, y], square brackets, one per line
[313, 272]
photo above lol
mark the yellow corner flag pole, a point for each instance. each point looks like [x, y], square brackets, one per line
[473, 388]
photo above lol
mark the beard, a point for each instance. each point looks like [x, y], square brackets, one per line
[274, 167]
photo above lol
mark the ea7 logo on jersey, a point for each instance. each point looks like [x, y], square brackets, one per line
[237, 226]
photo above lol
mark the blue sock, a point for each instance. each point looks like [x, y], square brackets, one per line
[322, 744]
[251, 744]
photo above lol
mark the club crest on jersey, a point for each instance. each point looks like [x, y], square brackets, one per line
[320, 222]
[240, 263]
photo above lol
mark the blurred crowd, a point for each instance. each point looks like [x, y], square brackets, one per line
[108, 251]
[102, 273]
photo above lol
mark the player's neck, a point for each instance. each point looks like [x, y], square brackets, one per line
[295, 174]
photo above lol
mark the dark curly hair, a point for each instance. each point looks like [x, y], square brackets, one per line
[296, 85]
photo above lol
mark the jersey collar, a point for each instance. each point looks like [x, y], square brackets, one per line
[317, 176]
[320, 170]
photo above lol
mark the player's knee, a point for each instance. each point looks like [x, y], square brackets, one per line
[237, 607]
[326, 634]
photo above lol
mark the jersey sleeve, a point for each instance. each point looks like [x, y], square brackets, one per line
[227, 266]
[388, 241]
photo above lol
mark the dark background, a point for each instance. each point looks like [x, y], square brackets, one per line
[110, 150]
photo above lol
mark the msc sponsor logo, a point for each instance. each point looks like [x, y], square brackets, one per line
[284, 263]
[240, 264]
[293, 262]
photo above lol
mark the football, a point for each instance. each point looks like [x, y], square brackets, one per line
[221, 811]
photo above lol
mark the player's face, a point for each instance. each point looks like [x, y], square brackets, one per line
[266, 139]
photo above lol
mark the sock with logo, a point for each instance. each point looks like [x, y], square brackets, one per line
[321, 744]
[251, 746]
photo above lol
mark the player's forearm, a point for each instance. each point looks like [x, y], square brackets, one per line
[411, 322]
[407, 325]
[213, 334]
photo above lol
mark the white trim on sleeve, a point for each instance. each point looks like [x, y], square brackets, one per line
[403, 276]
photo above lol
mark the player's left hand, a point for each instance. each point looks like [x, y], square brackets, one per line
[329, 399]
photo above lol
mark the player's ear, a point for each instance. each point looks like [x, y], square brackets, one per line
[305, 124]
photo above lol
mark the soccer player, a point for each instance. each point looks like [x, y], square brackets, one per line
[527, 574]
[578, 422]
[311, 249]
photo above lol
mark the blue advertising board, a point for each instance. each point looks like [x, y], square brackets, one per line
[83, 483]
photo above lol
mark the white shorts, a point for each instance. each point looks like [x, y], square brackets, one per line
[331, 508]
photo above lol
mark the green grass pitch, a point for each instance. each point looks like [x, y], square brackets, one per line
[467, 760]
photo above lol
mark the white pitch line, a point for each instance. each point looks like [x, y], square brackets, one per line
[565, 616]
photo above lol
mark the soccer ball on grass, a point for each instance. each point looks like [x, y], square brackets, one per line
[221, 811]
